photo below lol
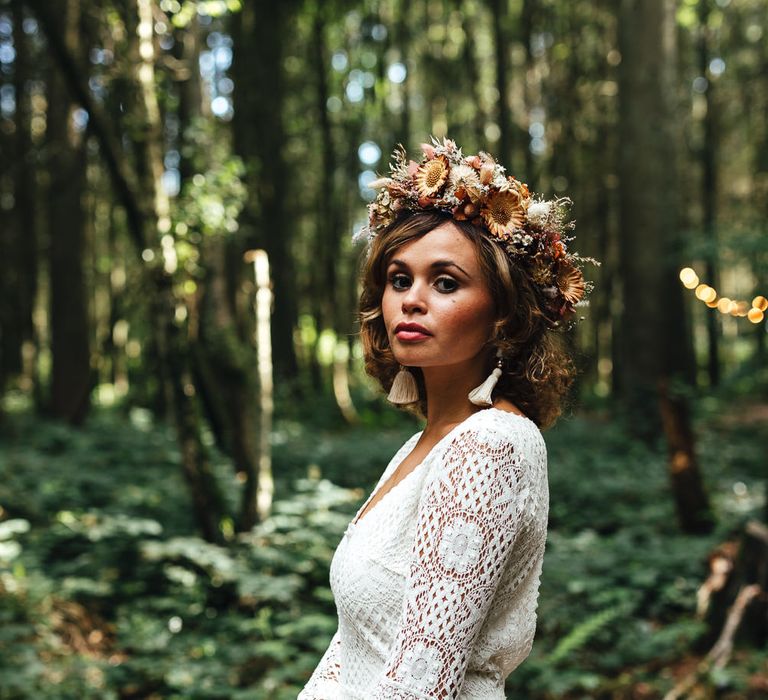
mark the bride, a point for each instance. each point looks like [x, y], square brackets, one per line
[467, 282]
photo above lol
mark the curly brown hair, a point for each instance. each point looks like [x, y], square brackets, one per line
[537, 370]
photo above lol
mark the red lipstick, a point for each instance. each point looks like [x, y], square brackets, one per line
[410, 332]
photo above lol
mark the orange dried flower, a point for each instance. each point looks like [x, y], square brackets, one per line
[431, 176]
[503, 213]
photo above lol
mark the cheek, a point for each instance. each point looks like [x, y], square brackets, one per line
[388, 306]
[473, 318]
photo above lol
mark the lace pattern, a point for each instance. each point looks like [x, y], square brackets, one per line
[437, 585]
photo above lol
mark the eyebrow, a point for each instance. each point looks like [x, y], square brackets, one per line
[438, 264]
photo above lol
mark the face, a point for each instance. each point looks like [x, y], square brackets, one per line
[437, 308]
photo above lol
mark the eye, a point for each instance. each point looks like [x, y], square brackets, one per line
[399, 281]
[446, 284]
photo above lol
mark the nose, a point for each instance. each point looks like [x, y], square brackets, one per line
[413, 299]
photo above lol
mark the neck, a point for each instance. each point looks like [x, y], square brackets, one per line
[447, 388]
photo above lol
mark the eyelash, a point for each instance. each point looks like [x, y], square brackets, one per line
[399, 275]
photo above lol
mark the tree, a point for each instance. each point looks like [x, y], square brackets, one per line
[654, 341]
[71, 371]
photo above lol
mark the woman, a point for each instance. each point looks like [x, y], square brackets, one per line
[436, 578]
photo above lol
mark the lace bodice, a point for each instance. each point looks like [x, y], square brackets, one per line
[436, 586]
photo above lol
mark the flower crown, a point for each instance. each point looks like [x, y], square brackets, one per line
[531, 230]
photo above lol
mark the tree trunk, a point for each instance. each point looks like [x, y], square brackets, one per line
[258, 31]
[655, 344]
[25, 195]
[71, 371]
[403, 29]
[709, 189]
[501, 48]
[472, 69]
[692, 504]
[171, 341]
[226, 369]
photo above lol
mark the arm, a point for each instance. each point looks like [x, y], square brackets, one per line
[469, 517]
[324, 683]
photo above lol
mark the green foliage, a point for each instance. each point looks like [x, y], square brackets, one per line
[104, 593]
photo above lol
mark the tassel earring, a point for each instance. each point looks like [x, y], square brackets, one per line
[481, 396]
[404, 389]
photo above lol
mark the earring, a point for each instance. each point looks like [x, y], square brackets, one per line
[404, 389]
[481, 395]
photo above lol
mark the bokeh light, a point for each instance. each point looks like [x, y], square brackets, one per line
[689, 278]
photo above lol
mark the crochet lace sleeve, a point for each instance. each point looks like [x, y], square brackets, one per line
[469, 516]
[324, 683]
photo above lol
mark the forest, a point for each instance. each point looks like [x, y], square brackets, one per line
[186, 426]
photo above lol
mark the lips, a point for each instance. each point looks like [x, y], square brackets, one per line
[411, 332]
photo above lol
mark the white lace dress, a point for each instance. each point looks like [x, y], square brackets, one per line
[436, 586]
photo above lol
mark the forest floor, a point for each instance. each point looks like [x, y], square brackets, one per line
[105, 592]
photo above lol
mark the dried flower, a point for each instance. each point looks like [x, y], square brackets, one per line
[570, 282]
[427, 150]
[431, 176]
[503, 213]
[538, 212]
[486, 172]
[464, 177]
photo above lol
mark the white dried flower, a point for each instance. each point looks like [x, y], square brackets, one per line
[538, 213]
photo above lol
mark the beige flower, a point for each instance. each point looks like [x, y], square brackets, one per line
[431, 176]
[503, 213]
[570, 282]
[464, 177]
[538, 213]
[487, 172]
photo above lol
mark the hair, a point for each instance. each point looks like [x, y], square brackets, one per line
[537, 371]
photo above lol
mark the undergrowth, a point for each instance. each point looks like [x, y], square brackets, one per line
[105, 592]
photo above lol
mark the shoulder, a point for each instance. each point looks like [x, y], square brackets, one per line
[495, 432]
[490, 464]
[488, 446]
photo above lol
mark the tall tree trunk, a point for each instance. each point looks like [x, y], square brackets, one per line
[473, 83]
[709, 189]
[25, 195]
[226, 363]
[224, 356]
[654, 341]
[403, 29]
[259, 30]
[172, 342]
[71, 372]
[501, 49]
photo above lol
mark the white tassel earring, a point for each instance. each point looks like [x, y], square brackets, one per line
[481, 396]
[404, 389]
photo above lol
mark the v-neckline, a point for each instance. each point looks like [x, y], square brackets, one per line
[358, 519]
[413, 440]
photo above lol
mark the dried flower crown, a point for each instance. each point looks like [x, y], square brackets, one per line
[532, 231]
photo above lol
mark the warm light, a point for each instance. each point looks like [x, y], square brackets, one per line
[755, 315]
[710, 295]
[741, 308]
[760, 303]
[725, 305]
[701, 291]
[711, 304]
[688, 277]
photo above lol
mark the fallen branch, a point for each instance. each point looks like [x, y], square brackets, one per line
[719, 655]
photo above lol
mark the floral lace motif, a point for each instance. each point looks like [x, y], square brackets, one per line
[468, 536]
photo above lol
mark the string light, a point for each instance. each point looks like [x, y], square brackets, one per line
[755, 312]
